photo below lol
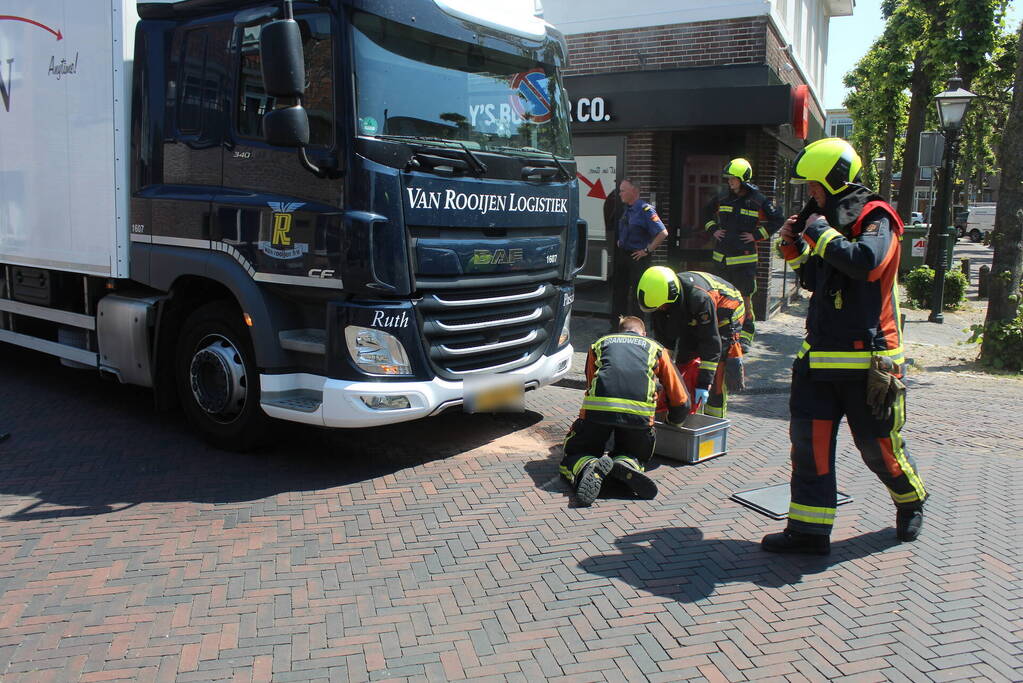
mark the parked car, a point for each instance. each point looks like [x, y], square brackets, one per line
[916, 217]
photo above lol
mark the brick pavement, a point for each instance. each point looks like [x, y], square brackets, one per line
[448, 550]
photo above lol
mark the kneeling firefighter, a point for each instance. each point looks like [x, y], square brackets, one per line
[622, 372]
[845, 247]
[696, 315]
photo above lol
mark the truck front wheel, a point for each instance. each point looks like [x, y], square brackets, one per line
[217, 378]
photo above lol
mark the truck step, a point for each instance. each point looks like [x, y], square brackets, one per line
[304, 341]
[302, 400]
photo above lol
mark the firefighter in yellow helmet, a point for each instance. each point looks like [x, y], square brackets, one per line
[844, 246]
[622, 373]
[695, 315]
[739, 219]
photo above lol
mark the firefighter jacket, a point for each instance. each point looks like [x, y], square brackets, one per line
[702, 323]
[851, 266]
[753, 213]
[622, 372]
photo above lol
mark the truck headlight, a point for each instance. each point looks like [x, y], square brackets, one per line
[563, 337]
[376, 351]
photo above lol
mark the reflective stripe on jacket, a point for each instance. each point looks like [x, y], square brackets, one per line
[851, 270]
[753, 213]
[622, 372]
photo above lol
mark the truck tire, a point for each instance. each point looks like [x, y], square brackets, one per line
[217, 378]
[975, 235]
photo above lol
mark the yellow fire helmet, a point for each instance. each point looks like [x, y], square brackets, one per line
[832, 162]
[740, 168]
[658, 286]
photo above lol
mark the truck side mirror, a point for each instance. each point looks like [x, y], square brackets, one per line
[283, 61]
[287, 127]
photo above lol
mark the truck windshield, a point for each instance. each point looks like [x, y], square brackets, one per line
[414, 83]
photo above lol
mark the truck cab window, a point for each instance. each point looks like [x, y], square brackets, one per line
[253, 102]
[484, 98]
[193, 67]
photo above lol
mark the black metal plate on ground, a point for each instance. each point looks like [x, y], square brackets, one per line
[773, 501]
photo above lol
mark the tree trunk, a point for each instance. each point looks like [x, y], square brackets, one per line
[921, 96]
[1007, 238]
[885, 185]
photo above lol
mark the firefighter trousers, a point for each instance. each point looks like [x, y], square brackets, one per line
[717, 402]
[817, 408]
[587, 440]
[744, 278]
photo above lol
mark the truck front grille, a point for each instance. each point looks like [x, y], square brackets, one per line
[475, 331]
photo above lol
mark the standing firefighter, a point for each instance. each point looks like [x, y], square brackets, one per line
[738, 221]
[622, 372]
[696, 315]
[845, 247]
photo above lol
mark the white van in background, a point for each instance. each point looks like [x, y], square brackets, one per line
[981, 221]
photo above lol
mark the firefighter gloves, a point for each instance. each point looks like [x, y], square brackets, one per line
[883, 388]
[735, 374]
[700, 397]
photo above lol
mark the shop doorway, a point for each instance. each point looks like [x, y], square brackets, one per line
[701, 183]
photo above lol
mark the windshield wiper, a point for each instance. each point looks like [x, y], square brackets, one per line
[478, 166]
[536, 150]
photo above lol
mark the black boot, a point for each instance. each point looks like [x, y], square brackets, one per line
[790, 541]
[590, 479]
[908, 524]
[627, 471]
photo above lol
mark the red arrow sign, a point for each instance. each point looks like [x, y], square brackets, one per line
[596, 189]
[7, 17]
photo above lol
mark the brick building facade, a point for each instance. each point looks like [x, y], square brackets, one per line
[680, 97]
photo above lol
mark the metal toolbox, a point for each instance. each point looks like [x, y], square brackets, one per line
[700, 438]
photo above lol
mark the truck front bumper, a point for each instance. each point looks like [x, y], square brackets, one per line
[341, 402]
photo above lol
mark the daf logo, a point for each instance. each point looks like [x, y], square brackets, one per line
[486, 257]
[321, 273]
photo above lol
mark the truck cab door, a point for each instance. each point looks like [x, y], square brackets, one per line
[272, 213]
[192, 151]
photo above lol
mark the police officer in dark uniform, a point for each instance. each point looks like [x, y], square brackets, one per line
[738, 220]
[640, 233]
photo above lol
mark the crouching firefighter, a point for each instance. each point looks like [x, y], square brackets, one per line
[622, 372]
[845, 247]
[696, 315]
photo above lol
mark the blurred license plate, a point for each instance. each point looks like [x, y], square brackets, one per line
[493, 394]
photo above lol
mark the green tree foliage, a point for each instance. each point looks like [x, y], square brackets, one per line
[882, 75]
[982, 130]
[923, 44]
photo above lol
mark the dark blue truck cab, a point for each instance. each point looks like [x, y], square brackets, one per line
[347, 213]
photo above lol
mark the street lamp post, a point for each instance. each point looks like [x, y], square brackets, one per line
[952, 105]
